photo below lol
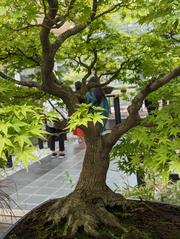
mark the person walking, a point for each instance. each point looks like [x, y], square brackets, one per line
[56, 130]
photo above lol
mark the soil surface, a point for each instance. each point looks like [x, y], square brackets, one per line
[143, 220]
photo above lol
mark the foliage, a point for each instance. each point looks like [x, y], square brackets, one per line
[165, 19]
[155, 189]
[132, 56]
[85, 114]
[33, 37]
[18, 125]
[69, 179]
[154, 146]
[20, 122]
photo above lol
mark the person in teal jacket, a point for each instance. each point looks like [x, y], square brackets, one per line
[97, 97]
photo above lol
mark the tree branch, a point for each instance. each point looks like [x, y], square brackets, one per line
[70, 7]
[94, 9]
[48, 21]
[29, 57]
[65, 35]
[7, 56]
[82, 63]
[153, 85]
[89, 69]
[172, 35]
[113, 8]
[27, 27]
[134, 119]
[44, 7]
[81, 26]
[26, 83]
[49, 50]
[115, 74]
[50, 84]
[47, 64]
[60, 20]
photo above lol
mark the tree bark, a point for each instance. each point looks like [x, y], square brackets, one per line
[96, 163]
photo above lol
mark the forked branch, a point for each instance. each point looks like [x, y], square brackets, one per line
[81, 26]
[134, 119]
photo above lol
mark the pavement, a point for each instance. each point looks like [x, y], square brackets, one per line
[54, 177]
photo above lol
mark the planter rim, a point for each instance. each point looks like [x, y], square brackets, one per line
[22, 218]
[154, 201]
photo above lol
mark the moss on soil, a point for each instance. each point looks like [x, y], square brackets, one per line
[143, 221]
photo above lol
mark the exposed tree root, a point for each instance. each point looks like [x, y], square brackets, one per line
[86, 212]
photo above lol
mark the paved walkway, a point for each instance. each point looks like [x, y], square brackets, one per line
[51, 178]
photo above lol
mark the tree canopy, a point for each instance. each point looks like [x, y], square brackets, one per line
[101, 38]
[134, 41]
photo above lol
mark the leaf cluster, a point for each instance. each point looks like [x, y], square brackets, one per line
[85, 114]
[154, 147]
[19, 124]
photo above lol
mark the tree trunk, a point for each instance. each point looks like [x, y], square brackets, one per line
[87, 206]
[96, 163]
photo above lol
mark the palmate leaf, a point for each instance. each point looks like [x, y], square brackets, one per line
[175, 165]
[4, 143]
[25, 155]
[77, 114]
[98, 118]
[19, 124]
[22, 140]
[4, 126]
[174, 131]
[98, 108]
[84, 122]
[83, 116]
[1, 147]
[71, 127]
[37, 132]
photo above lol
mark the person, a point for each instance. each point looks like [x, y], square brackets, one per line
[78, 86]
[78, 131]
[150, 106]
[97, 97]
[40, 144]
[9, 159]
[56, 130]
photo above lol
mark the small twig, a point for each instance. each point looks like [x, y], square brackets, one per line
[27, 27]
[45, 8]
[147, 206]
[28, 57]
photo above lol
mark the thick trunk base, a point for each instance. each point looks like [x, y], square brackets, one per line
[105, 217]
[87, 211]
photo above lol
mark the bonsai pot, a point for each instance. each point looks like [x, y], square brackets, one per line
[143, 220]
